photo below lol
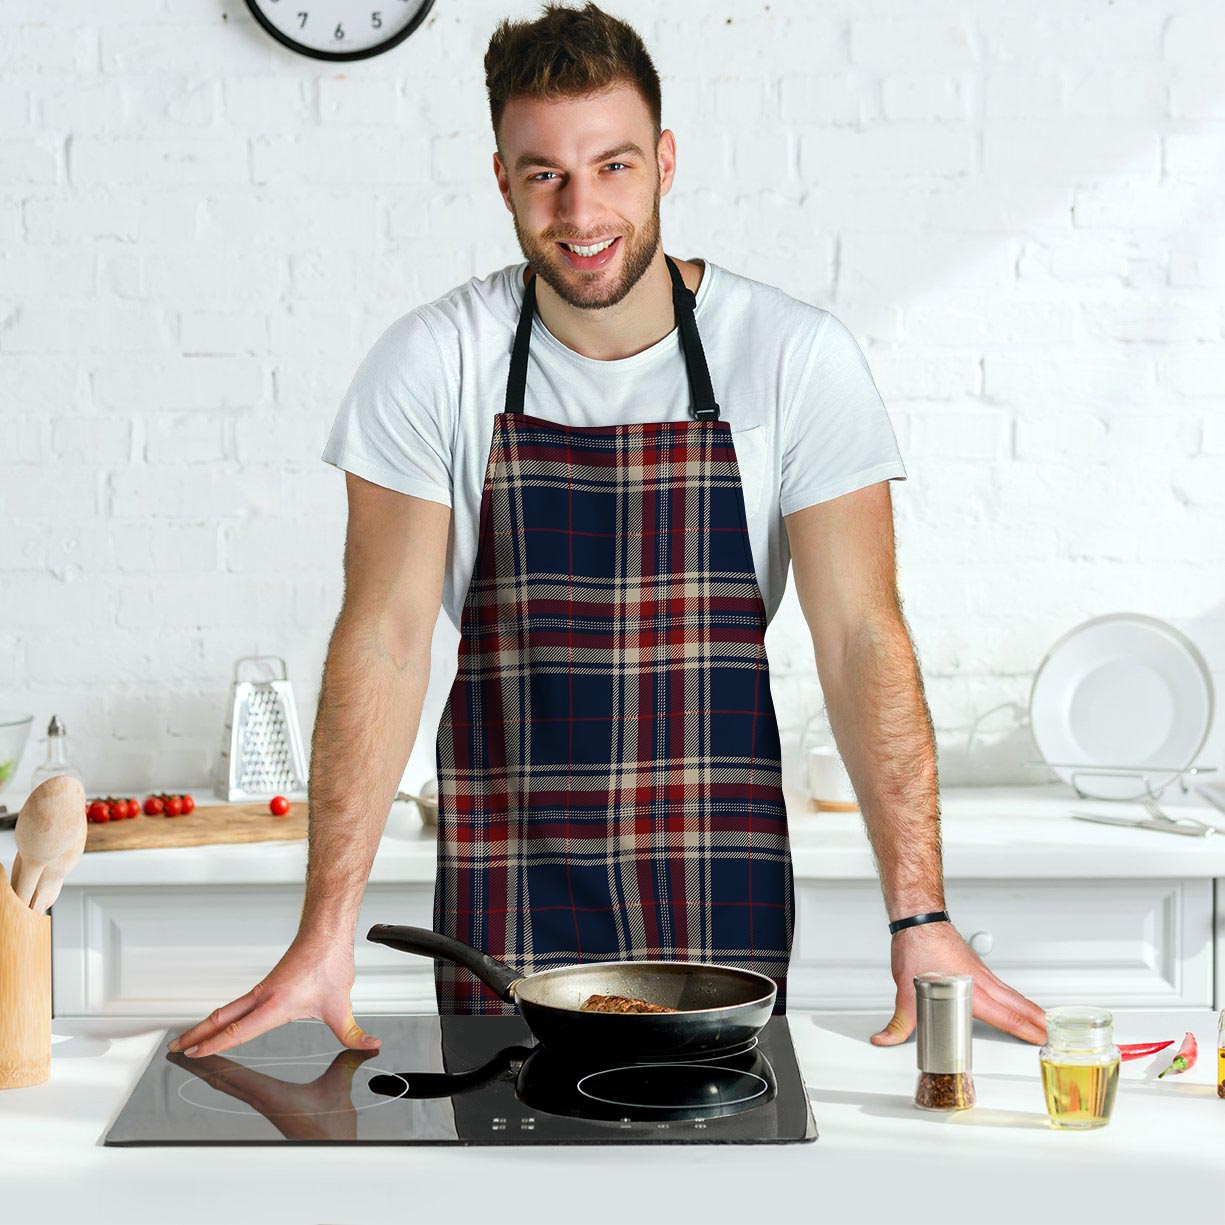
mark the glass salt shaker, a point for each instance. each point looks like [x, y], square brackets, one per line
[944, 1019]
[57, 755]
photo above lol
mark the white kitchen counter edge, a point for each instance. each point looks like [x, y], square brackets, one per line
[877, 1158]
[988, 833]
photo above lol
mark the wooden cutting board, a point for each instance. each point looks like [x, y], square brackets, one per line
[208, 823]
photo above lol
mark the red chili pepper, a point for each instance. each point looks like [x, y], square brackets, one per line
[1137, 1050]
[1185, 1058]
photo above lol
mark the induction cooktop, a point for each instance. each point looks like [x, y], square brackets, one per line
[462, 1080]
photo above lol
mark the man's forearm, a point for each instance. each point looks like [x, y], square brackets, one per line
[369, 710]
[879, 715]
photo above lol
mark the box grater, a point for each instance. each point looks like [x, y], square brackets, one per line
[261, 752]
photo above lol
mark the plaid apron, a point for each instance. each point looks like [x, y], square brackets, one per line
[608, 760]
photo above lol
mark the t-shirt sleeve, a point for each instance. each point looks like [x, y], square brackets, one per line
[396, 423]
[837, 436]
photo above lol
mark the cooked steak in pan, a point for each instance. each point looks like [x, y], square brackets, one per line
[620, 1003]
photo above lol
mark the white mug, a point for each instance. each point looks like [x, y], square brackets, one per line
[829, 785]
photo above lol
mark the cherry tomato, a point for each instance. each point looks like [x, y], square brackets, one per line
[153, 806]
[119, 810]
[188, 804]
[133, 807]
[98, 811]
[174, 806]
[278, 805]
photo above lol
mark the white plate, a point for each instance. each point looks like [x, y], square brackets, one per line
[1124, 691]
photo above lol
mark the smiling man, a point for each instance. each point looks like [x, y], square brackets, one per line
[601, 461]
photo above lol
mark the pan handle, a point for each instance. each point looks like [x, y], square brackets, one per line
[495, 974]
[447, 1084]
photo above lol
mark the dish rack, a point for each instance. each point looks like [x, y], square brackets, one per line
[1082, 772]
[1137, 775]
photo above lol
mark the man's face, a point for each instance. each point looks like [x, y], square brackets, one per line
[581, 171]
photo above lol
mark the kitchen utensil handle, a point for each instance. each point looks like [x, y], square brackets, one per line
[495, 974]
[447, 1084]
[1161, 827]
[259, 659]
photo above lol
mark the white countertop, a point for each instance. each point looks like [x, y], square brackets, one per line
[988, 832]
[877, 1159]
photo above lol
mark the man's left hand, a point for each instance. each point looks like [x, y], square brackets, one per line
[939, 947]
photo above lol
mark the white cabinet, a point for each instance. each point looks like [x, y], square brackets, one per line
[1119, 943]
[181, 951]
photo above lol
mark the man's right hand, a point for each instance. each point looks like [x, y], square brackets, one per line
[311, 980]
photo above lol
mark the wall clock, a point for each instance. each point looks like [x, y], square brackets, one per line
[340, 29]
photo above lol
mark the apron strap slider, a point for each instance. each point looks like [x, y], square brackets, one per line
[707, 412]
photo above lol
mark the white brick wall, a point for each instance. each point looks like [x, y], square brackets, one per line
[1016, 208]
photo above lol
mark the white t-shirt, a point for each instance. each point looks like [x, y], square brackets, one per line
[807, 421]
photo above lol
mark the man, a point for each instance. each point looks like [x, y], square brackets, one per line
[601, 461]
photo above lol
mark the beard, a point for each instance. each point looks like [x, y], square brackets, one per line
[593, 290]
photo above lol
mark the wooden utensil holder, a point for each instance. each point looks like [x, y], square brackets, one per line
[25, 992]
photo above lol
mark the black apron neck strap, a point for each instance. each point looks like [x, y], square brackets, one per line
[516, 382]
[702, 397]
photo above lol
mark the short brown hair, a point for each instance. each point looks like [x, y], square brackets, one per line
[565, 53]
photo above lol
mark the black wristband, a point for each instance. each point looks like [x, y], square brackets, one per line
[915, 920]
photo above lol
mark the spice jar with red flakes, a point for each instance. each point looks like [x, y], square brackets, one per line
[944, 1016]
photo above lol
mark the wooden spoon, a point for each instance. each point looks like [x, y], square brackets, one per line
[50, 836]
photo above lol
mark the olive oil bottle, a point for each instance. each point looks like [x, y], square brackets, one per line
[1080, 1067]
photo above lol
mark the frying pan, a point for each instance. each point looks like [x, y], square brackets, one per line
[718, 1006]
